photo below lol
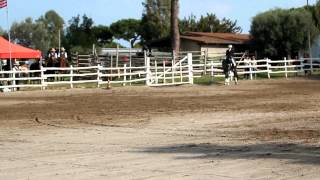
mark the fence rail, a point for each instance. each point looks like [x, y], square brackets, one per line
[152, 73]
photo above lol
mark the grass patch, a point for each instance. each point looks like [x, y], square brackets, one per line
[207, 80]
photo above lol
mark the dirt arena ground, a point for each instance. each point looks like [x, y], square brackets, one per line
[266, 129]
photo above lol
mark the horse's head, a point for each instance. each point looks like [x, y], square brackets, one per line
[63, 62]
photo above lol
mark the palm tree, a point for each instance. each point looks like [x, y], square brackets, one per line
[175, 34]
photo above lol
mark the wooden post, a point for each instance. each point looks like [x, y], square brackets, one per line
[205, 62]
[148, 75]
[98, 76]
[13, 82]
[130, 64]
[181, 78]
[118, 72]
[156, 71]
[42, 78]
[285, 67]
[301, 64]
[71, 77]
[145, 57]
[190, 68]
[124, 74]
[117, 60]
[164, 72]
[111, 63]
[173, 69]
[212, 74]
[311, 65]
[268, 67]
[250, 70]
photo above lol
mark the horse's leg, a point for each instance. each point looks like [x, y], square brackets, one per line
[235, 72]
[226, 74]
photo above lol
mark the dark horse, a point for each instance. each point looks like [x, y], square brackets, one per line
[230, 71]
[60, 62]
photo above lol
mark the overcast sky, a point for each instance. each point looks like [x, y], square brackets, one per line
[107, 11]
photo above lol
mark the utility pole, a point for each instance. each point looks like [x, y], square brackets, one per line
[309, 38]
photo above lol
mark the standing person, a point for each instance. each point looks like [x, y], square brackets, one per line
[231, 65]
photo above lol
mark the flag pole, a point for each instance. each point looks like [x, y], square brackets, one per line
[9, 36]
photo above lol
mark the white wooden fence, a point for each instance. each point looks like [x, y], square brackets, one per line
[152, 74]
[263, 66]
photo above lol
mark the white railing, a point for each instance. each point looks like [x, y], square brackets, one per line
[173, 74]
[181, 72]
[265, 66]
[71, 76]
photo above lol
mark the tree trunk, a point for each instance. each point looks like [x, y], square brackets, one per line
[175, 33]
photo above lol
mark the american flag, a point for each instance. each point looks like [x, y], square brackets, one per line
[3, 3]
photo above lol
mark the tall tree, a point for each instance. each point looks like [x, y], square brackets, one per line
[31, 34]
[175, 33]
[189, 24]
[79, 32]
[127, 29]
[280, 33]
[2, 32]
[155, 22]
[103, 35]
[53, 23]
[209, 23]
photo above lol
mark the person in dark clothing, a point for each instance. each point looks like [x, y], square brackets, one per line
[230, 65]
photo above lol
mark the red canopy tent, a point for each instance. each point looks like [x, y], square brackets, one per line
[17, 51]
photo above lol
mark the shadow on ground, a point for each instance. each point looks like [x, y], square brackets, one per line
[301, 154]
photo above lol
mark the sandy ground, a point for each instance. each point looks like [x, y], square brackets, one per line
[266, 129]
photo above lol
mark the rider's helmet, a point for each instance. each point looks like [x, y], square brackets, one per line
[230, 46]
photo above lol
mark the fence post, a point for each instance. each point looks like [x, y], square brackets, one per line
[164, 71]
[190, 68]
[156, 71]
[250, 70]
[205, 61]
[124, 74]
[42, 78]
[181, 78]
[173, 69]
[14, 78]
[148, 75]
[212, 74]
[117, 60]
[111, 63]
[71, 77]
[98, 76]
[311, 65]
[130, 65]
[301, 64]
[285, 67]
[268, 67]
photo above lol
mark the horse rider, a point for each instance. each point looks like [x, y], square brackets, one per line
[52, 54]
[231, 65]
[63, 53]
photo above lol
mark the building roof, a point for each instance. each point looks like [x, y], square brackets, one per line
[217, 38]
